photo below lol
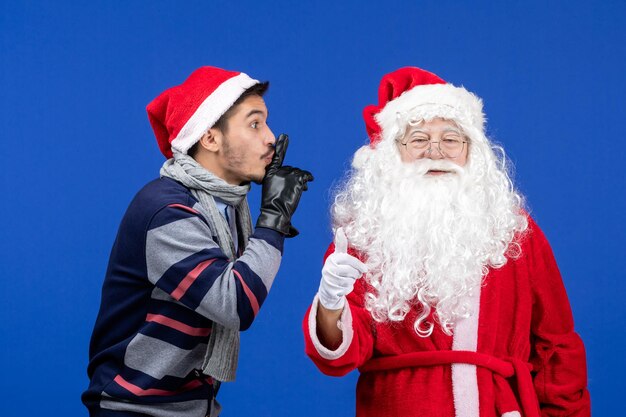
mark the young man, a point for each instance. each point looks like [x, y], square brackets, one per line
[188, 271]
[439, 287]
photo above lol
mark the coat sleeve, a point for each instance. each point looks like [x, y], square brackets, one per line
[357, 330]
[558, 353]
[184, 261]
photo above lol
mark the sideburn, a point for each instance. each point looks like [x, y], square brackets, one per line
[232, 156]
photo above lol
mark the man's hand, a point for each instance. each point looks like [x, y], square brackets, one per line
[282, 188]
[339, 273]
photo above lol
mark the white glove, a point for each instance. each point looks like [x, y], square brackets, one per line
[339, 273]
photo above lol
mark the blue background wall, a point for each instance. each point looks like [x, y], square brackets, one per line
[75, 78]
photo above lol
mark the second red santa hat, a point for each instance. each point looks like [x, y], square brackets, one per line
[416, 93]
[182, 114]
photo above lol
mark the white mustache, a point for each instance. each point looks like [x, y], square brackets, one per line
[422, 166]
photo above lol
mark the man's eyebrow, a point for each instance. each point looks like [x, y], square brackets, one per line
[256, 111]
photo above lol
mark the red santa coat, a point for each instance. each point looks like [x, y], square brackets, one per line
[519, 356]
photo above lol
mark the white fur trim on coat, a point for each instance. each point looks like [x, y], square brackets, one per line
[211, 109]
[464, 378]
[345, 324]
[429, 101]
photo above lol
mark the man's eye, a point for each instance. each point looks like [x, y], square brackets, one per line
[254, 125]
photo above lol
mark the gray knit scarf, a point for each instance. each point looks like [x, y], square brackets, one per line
[220, 361]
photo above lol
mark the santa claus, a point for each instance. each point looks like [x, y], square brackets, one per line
[439, 287]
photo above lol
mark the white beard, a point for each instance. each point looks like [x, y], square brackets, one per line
[428, 240]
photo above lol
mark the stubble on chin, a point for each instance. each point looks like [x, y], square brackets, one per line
[236, 161]
[257, 179]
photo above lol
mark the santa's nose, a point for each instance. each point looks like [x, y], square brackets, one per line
[433, 152]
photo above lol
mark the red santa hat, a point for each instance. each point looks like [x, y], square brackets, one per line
[414, 93]
[181, 115]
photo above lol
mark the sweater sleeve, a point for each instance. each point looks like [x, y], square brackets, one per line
[357, 336]
[558, 356]
[184, 261]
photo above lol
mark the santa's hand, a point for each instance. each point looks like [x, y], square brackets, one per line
[339, 273]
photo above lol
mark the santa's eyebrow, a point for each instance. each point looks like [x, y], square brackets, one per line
[452, 129]
[419, 130]
[444, 130]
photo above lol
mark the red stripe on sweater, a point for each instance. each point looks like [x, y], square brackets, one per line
[253, 301]
[190, 278]
[180, 206]
[140, 392]
[180, 326]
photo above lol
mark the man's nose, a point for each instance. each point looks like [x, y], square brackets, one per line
[270, 139]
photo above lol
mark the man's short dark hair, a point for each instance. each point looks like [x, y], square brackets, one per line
[255, 90]
[222, 123]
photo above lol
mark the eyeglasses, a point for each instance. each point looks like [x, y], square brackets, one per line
[449, 147]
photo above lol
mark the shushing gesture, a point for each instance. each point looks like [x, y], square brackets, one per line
[339, 274]
[282, 187]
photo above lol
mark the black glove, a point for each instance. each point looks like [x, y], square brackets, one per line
[282, 188]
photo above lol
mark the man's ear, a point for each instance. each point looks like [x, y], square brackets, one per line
[211, 140]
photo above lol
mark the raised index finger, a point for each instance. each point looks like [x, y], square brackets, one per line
[280, 149]
[341, 241]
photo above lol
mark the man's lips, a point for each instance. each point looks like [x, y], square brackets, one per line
[268, 157]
